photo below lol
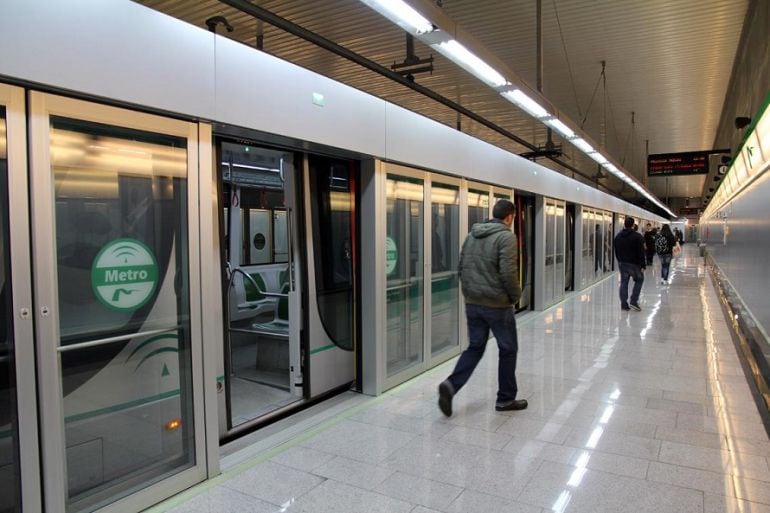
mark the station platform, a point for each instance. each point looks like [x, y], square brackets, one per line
[628, 411]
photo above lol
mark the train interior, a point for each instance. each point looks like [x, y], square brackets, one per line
[256, 183]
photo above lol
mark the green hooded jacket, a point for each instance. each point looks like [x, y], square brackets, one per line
[489, 266]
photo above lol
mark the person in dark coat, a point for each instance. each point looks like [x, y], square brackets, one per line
[629, 250]
[490, 284]
[649, 243]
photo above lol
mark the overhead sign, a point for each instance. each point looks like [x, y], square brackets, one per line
[687, 163]
[124, 275]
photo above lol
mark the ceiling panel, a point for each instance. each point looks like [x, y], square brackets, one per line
[668, 62]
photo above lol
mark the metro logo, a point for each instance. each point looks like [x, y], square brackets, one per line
[134, 275]
[124, 275]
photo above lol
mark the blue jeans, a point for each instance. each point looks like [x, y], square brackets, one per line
[503, 325]
[628, 271]
[665, 264]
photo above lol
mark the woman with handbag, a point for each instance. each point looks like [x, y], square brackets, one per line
[665, 244]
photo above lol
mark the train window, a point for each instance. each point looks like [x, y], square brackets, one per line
[404, 269]
[478, 207]
[445, 259]
[332, 194]
[254, 197]
[9, 456]
[121, 224]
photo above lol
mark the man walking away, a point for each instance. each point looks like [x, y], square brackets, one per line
[649, 243]
[490, 285]
[629, 250]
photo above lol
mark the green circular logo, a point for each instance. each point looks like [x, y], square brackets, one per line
[391, 255]
[124, 275]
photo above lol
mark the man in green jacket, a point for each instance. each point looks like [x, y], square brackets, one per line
[490, 283]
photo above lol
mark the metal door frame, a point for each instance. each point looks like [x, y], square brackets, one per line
[23, 327]
[42, 106]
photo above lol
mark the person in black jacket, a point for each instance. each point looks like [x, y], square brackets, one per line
[649, 242]
[629, 250]
[664, 246]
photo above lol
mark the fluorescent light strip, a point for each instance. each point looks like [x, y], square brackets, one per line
[560, 128]
[525, 103]
[598, 157]
[401, 14]
[471, 63]
[583, 145]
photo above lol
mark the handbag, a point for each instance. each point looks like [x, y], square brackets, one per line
[677, 249]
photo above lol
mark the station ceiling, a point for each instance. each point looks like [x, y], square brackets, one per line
[667, 62]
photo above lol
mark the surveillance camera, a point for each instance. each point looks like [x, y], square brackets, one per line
[742, 122]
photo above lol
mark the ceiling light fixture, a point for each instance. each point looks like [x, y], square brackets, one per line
[582, 145]
[560, 128]
[402, 14]
[471, 63]
[525, 103]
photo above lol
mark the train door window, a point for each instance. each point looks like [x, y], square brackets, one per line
[525, 233]
[587, 258]
[558, 287]
[333, 282]
[608, 238]
[569, 258]
[550, 250]
[404, 270]
[119, 221]
[598, 246]
[9, 451]
[445, 260]
[257, 189]
[478, 206]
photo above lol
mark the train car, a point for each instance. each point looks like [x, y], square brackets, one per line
[218, 238]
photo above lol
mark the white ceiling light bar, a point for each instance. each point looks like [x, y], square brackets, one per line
[471, 63]
[561, 129]
[402, 14]
[525, 103]
[406, 17]
[583, 145]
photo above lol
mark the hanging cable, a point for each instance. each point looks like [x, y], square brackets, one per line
[593, 95]
[566, 57]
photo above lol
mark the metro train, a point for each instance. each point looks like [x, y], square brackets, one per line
[203, 263]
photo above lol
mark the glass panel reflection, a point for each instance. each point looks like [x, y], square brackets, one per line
[121, 247]
[404, 268]
[478, 207]
[445, 282]
[550, 248]
[9, 452]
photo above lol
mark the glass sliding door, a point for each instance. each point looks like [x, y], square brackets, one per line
[404, 263]
[555, 224]
[560, 252]
[445, 260]
[10, 472]
[524, 227]
[119, 324]
[550, 251]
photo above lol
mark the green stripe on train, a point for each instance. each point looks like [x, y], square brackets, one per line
[120, 407]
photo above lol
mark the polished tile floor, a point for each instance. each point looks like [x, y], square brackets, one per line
[629, 412]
